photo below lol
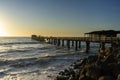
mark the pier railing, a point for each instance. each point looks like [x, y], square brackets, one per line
[96, 39]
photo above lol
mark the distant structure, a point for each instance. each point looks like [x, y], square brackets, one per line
[103, 34]
[33, 36]
[38, 38]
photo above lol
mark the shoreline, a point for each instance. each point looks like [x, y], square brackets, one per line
[103, 66]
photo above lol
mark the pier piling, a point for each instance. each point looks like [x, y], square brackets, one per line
[58, 42]
[62, 43]
[102, 47]
[72, 43]
[68, 44]
[87, 46]
[79, 44]
[76, 45]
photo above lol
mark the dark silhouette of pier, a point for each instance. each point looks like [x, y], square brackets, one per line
[102, 37]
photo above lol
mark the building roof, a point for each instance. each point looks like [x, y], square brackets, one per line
[104, 32]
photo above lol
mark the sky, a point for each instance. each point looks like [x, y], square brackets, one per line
[57, 17]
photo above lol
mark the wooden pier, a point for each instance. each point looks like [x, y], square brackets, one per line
[76, 41]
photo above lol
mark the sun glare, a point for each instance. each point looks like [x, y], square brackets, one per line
[3, 31]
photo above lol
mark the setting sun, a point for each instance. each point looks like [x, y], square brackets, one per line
[3, 31]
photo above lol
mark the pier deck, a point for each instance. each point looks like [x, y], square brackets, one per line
[76, 41]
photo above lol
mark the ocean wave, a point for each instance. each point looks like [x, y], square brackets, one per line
[40, 61]
[27, 49]
[13, 43]
[14, 51]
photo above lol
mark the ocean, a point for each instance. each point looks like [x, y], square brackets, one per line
[22, 58]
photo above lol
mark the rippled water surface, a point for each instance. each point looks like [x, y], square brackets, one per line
[26, 59]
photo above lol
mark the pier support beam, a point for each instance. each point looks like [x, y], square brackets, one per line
[58, 42]
[79, 44]
[52, 41]
[68, 44]
[72, 43]
[62, 42]
[113, 45]
[48, 40]
[102, 47]
[87, 46]
[76, 45]
[55, 41]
